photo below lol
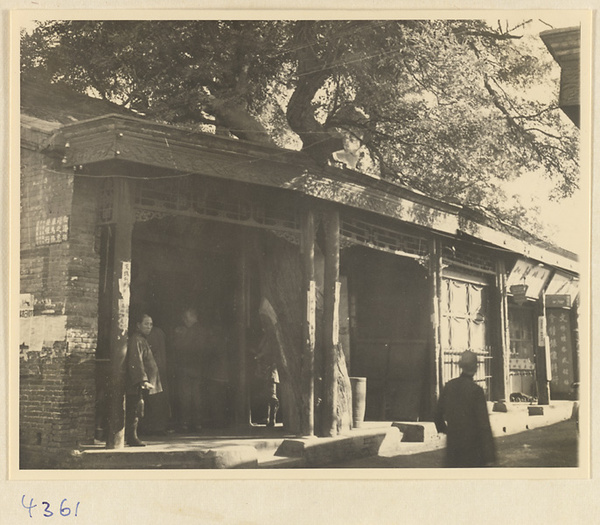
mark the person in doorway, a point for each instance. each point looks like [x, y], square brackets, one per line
[142, 377]
[266, 359]
[157, 409]
[463, 416]
[215, 378]
[190, 342]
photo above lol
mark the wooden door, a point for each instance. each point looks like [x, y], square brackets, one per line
[464, 307]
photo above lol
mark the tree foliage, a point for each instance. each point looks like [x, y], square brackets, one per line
[447, 107]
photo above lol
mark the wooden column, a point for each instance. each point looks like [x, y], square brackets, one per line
[503, 331]
[435, 277]
[242, 405]
[123, 215]
[307, 247]
[331, 299]
[541, 361]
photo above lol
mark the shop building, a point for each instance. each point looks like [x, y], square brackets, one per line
[363, 278]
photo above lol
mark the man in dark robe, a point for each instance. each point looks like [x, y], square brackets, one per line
[463, 416]
[190, 343]
[142, 378]
[157, 409]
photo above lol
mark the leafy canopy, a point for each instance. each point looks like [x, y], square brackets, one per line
[447, 107]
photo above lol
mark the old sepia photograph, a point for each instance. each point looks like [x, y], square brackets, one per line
[302, 243]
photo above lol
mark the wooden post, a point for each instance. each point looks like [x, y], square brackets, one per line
[242, 405]
[307, 247]
[331, 299]
[503, 330]
[123, 215]
[435, 276]
[541, 359]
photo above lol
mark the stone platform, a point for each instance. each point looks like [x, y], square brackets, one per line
[259, 447]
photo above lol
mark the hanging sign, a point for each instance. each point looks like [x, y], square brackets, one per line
[531, 274]
[563, 284]
[558, 301]
[561, 351]
[519, 293]
[541, 331]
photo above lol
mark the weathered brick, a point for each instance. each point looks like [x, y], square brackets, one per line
[57, 382]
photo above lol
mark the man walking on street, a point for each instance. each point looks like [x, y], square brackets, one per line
[462, 415]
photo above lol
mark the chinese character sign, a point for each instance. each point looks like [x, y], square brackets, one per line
[530, 274]
[561, 350]
[52, 231]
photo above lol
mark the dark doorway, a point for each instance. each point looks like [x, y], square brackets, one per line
[389, 325]
[178, 263]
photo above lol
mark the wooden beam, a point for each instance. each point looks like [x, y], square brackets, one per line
[124, 217]
[308, 322]
[331, 299]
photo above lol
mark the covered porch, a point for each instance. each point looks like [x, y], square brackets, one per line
[187, 217]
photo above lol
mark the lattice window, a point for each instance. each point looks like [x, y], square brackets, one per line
[190, 198]
[175, 194]
[355, 231]
[465, 258]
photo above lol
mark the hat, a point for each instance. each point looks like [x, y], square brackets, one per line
[468, 362]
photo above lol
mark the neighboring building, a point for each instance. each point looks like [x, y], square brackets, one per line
[564, 45]
[366, 278]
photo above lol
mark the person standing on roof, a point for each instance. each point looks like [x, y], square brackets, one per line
[463, 416]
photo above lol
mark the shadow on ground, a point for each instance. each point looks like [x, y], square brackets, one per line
[551, 446]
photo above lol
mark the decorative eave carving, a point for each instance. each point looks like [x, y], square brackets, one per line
[161, 148]
[129, 140]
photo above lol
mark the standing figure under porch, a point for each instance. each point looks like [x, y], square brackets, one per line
[189, 343]
[142, 378]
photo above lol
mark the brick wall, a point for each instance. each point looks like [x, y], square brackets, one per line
[59, 275]
[56, 407]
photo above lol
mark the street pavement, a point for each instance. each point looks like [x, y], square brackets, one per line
[550, 446]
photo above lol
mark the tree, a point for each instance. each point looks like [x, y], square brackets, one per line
[441, 106]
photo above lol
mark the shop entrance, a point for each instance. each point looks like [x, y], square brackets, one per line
[177, 264]
[390, 332]
[464, 325]
[523, 384]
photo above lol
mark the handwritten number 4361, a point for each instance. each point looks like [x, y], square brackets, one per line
[63, 509]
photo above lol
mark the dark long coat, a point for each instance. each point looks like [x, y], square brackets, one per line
[462, 414]
[141, 365]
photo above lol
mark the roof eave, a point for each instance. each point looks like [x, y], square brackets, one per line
[131, 140]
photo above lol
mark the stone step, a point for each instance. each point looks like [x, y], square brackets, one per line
[280, 462]
[277, 451]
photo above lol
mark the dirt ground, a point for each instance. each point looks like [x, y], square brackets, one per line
[552, 446]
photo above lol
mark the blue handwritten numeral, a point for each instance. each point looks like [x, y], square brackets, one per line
[64, 510]
[47, 511]
[31, 505]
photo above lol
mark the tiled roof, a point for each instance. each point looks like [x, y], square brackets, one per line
[564, 45]
[59, 103]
